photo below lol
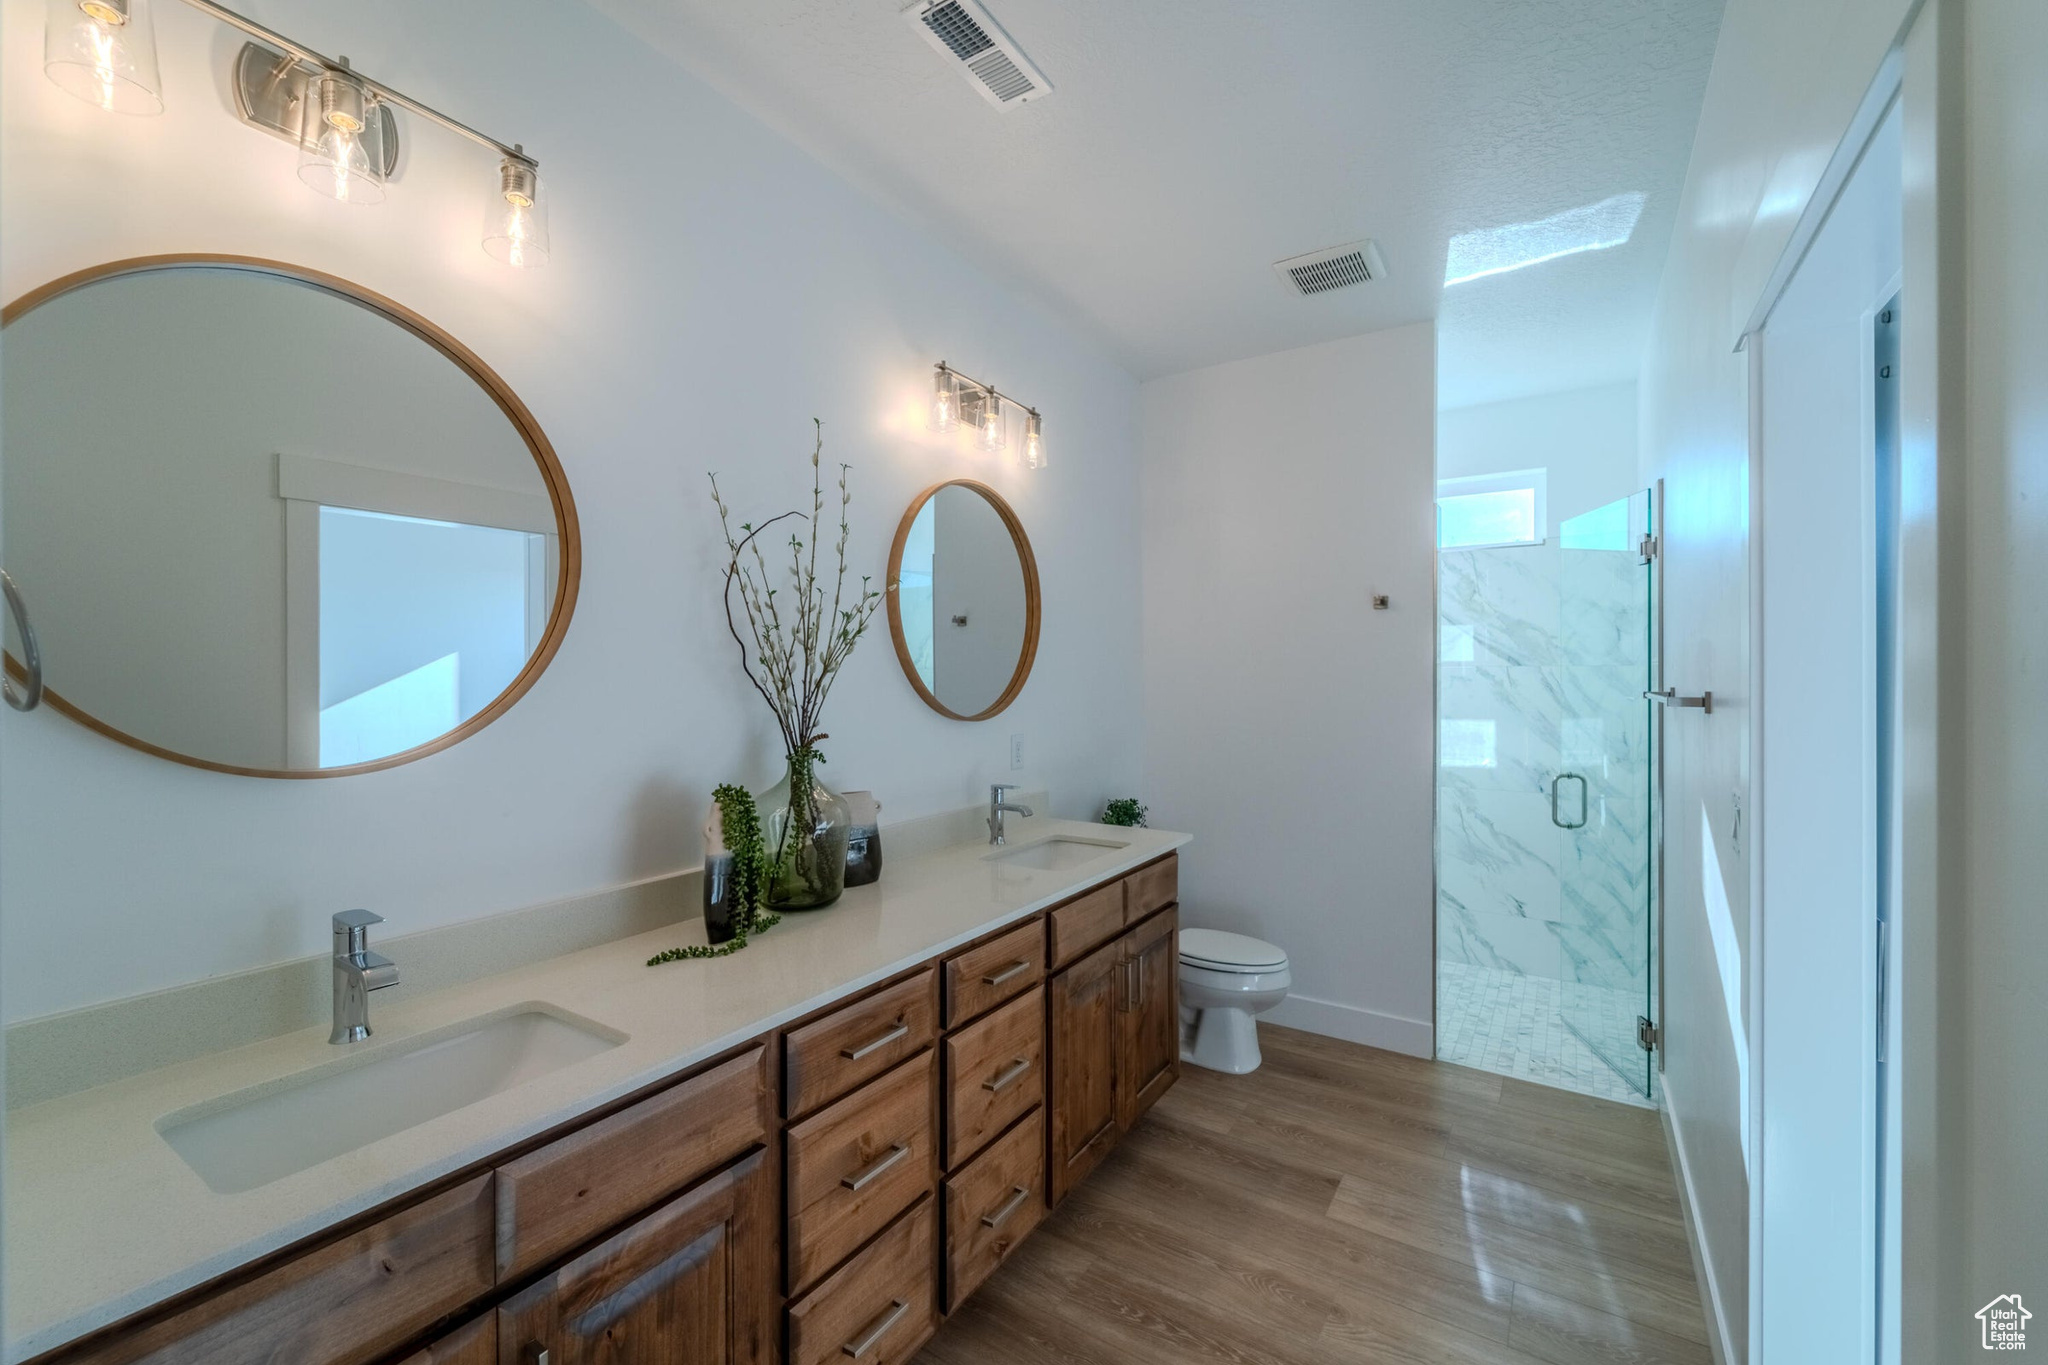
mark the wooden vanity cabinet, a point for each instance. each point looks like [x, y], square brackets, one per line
[1148, 1027]
[692, 1281]
[1113, 1027]
[821, 1193]
[1084, 1005]
[473, 1343]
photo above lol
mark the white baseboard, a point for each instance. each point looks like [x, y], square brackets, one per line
[1416, 1037]
[1720, 1339]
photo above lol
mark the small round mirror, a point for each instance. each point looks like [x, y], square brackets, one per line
[270, 523]
[963, 600]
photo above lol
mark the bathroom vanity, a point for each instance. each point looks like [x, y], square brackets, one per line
[824, 1182]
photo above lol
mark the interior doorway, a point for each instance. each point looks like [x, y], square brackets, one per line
[1826, 402]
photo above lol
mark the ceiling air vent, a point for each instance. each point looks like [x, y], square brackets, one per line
[965, 35]
[1333, 268]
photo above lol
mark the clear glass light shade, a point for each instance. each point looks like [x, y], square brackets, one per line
[516, 216]
[104, 52]
[341, 140]
[991, 437]
[945, 400]
[1034, 444]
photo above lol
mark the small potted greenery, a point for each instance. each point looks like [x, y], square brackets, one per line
[1124, 810]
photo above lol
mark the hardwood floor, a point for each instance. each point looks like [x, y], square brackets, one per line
[1343, 1204]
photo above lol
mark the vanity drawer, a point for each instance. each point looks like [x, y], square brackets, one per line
[995, 1074]
[827, 1057]
[1153, 887]
[879, 1308]
[353, 1300]
[569, 1191]
[981, 978]
[992, 1206]
[1079, 925]
[857, 1165]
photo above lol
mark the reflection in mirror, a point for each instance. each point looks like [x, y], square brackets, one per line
[268, 526]
[964, 598]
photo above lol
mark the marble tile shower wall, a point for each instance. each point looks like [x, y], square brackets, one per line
[1542, 671]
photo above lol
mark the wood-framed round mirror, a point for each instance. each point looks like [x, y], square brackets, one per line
[271, 523]
[963, 599]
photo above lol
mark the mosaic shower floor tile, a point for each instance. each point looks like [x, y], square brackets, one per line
[1512, 1024]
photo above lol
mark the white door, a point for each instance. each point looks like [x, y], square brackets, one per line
[1818, 793]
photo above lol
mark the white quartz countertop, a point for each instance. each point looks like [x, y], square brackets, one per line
[104, 1219]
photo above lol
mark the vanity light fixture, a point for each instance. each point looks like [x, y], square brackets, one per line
[516, 215]
[341, 138]
[957, 399]
[945, 399]
[104, 52]
[990, 425]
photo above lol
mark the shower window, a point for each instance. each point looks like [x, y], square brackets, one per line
[1491, 509]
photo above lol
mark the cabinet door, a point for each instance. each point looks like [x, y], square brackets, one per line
[473, 1343]
[1148, 1025]
[692, 1281]
[1084, 1002]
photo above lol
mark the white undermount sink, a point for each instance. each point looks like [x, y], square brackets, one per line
[276, 1129]
[1056, 854]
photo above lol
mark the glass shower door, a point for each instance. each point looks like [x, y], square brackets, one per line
[1603, 793]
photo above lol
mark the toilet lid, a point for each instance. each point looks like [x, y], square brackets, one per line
[1224, 952]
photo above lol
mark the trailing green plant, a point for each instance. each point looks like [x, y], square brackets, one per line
[1124, 810]
[792, 655]
[749, 883]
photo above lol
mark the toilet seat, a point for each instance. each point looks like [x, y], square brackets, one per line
[1216, 951]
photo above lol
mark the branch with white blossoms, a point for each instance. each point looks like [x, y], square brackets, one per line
[795, 643]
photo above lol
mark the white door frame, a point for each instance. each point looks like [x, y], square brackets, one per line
[306, 483]
[1921, 73]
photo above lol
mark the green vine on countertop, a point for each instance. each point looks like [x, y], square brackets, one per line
[742, 827]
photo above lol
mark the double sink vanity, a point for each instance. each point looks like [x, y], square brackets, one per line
[811, 1151]
[807, 1151]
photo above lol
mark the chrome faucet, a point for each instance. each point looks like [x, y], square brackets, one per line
[996, 807]
[357, 972]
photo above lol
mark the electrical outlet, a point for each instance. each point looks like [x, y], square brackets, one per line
[1016, 752]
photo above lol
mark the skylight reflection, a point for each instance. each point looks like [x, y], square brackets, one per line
[1496, 251]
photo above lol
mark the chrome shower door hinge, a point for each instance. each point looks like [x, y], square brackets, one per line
[1648, 1035]
[1646, 548]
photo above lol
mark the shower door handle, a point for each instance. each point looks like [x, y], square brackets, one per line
[1555, 817]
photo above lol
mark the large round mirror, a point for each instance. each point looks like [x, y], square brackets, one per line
[273, 524]
[963, 600]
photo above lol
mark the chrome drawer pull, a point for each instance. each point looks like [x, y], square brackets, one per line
[863, 1179]
[1002, 1215]
[900, 1032]
[1009, 973]
[1009, 1076]
[866, 1343]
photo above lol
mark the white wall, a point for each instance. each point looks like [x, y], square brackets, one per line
[1586, 438]
[1284, 718]
[711, 290]
[1785, 83]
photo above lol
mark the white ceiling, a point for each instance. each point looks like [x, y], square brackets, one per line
[1188, 144]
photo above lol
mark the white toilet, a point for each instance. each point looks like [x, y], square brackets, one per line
[1225, 979]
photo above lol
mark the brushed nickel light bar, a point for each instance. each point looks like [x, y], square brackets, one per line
[104, 51]
[958, 398]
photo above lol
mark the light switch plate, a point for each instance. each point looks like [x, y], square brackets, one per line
[1016, 752]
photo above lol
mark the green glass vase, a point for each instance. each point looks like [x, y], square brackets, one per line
[804, 827]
